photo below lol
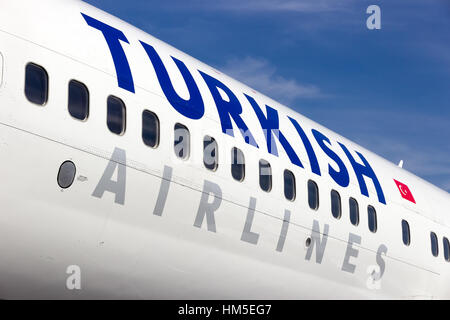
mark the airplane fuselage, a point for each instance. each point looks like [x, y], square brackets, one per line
[139, 219]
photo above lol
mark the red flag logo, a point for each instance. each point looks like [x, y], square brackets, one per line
[404, 191]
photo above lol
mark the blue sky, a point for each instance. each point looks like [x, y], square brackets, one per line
[388, 89]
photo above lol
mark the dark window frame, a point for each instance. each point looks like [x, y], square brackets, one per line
[339, 202]
[261, 165]
[81, 85]
[145, 130]
[375, 229]
[434, 240]
[29, 94]
[314, 206]
[124, 120]
[446, 246]
[294, 187]
[215, 165]
[406, 227]
[238, 153]
[350, 200]
[186, 141]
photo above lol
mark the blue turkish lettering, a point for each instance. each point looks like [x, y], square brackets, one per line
[228, 110]
[309, 149]
[362, 170]
[192, 108]
[341, 177]
[271, 126]
[112, 37]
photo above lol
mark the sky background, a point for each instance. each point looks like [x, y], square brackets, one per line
[388, 90]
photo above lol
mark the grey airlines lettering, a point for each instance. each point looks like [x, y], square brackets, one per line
[230, 109]
[209, 205]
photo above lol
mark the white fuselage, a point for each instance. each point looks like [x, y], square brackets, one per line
[181, 230]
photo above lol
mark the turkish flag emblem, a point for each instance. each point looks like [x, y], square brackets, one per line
[404, 191]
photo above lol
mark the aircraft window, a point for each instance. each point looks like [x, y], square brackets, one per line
[434, 244]
[66, 174]
[354, 211]
[150, 129]
[313, 195]
[265, 175]
[372, 217]
[78, 100]
[36, 84]
[406, 233]
[289, 185]
[116, 117]
[210, 153]
[237, 164]
[336, 208]
[182, 141]
[446, 249]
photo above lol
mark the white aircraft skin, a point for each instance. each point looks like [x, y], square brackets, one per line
[127, 251]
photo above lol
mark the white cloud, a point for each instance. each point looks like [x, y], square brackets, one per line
[261, 75]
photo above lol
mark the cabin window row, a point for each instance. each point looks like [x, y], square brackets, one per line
[36, 90]
[406, 236]
[435, 246]
[336, 211]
